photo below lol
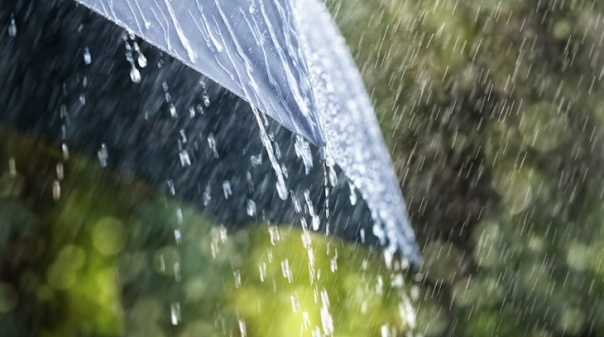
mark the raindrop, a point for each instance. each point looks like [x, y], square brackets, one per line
[12, 28]
[333, 264]
[103, 155]
[135, 75]
[295, 303]
[87, 56]
[316, 223]
[242, 328]
[176, 269]
[172, 110]
[286, 270]
[63, 111]
[262, 271]
[207, 196]
[282, 189]
[175, 313]
[178, 236]
[185, 160]
[274, 235]
[353, 194]
[333, 177]
[12, 167]
[385, 331]
[212, 144]
[65, 151]
[141, 60]
[179, 216]
[256, 160]
[226, 189]
[199, 109]
[303, 152]
[237, 276]
[56, 190]
[60, 171]
[171, 187]
[326, 319]
[251, 208]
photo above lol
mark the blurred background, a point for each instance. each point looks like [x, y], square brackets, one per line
[493, 112]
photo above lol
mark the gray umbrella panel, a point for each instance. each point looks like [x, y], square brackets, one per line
[248, 46]
[352, 134]
[291, 62]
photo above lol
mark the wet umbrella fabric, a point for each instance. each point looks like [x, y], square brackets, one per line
[250, 47]
[173, 112]
[351, 128]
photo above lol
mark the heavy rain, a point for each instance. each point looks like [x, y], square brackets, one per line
[313, 168]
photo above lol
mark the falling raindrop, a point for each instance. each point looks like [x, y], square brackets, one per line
[242, 328]
[171, 187]
[87, 56]
[183, 136]
[65, 151]
[135, 75]
[353, 194]
[207, 196]
[303, 152]
[256, 160]
[226, 189]
[331, 171]
[251, 208]
[212, 144]
[12, 28]
[60, 171]
[185, 160]
[199, 109]
[282, 189]
[12, 167]
[175, 313]
[326, 318]
[103, 155]
[178, 236]
[237, 277]
[141, 60]
[172, 110]
[56, 190]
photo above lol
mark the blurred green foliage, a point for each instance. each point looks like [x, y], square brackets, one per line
[493, 114]
[88, 252]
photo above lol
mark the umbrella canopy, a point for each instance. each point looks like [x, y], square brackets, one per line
[183, 121]
[351, 128]
[250, 47]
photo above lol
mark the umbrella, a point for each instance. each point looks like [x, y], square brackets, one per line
[181, 100]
